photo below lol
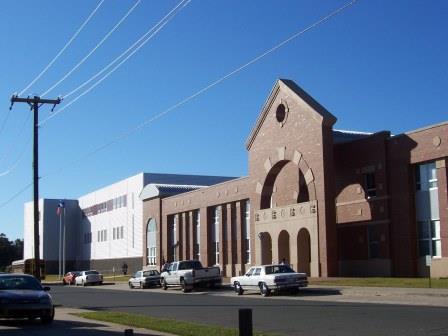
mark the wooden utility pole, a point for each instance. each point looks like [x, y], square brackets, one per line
[35, 102]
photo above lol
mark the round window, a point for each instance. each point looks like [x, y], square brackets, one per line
[280, 114]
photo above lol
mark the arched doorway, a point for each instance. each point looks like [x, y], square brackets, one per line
[303, 251]
[266, 248]
[283, 246]
[151, 242]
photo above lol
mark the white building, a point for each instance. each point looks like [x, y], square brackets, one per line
[104, 229]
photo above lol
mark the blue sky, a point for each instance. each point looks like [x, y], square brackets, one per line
[379, 65]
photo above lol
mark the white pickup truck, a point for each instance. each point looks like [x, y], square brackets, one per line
[189, 274]
[268, 278]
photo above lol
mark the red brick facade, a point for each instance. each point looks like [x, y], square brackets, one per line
[332, 203]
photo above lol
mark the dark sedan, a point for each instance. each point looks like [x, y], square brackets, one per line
[22, 296]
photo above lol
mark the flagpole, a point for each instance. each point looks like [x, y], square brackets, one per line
[63, 248]
[60, 240]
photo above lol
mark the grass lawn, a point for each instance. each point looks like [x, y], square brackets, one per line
[165, 325]
[382, 282]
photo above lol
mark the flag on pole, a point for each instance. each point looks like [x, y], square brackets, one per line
[61, 205]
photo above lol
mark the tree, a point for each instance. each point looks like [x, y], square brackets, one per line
[9, 251]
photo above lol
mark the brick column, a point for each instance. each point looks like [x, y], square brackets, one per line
[185, 241]
[191, 232]
[204, 235]
[165, 239]
[230, 211]
[179, 236]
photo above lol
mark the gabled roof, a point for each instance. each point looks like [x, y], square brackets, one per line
[296, 91]
[154, 190]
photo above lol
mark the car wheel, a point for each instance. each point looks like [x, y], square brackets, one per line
[47, 319]
[238, 289]
[130, 285]
[63, 282]
[184, 286]
[264, 290]
[164, 284]
[142, 285]
[83, 283]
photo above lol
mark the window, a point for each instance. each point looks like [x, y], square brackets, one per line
[246, 231]
[429, 238]
[370, 185]
[257, 271]
[99, 236]
[197, 235]
[427, 210]
[114, 233]
[151, 242]
[122, 232]
[374, 242]
[215, 226]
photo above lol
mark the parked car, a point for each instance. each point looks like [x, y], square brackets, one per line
[21, 295]
[189, 274]
[145, 279]
[89, 278]
[269, 278]
[69, 278]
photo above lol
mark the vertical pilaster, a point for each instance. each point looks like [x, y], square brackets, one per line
[204, 235]
[222, 236]
[239, 267]
[191, 232]
[442, 183]
[184, 219]
[230, 211]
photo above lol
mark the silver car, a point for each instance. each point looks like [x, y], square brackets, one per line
[22, 296]
[89, 278]
[144, 279]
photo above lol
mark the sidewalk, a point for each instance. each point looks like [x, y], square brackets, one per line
[65, 315]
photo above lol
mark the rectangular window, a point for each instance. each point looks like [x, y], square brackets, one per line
[114, 234]
[99, 236]
[370, 185]
[197, 234]
[215, 233]
[374, 242]
[429, 238]
[246, 231]
[105, 235]
[122, 232]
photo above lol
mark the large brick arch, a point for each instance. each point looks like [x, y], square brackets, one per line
[273, 165]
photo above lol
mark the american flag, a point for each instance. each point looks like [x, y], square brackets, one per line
[61, 205]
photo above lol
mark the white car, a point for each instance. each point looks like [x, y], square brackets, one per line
[89, 278]
[269, 278]
[145, 279]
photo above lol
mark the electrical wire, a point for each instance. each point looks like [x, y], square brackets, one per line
[94, 49]
[63, 48]
[19, 134]
[128, 133]
[20, 157]
[17, 194]
[142, 40]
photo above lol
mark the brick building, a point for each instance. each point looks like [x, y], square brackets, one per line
[332, 203]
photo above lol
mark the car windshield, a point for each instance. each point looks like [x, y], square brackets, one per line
[190, 265]
[91, 272]
[150, 273]
[19, 282]
[278, 269]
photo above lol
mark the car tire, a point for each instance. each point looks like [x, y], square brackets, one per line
[164, 284]
[238, 289]
[83, 283]
[264, 290]
[184, 286]
[130, 285]
[142, 286]
[64, 282]
[47, 319]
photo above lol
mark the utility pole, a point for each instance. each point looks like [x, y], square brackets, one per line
[35, 102]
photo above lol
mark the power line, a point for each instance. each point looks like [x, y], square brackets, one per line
[19, 134]
[63, 48]
[19, 158]
[128, 133]
[143, 40]
[17, 194]
[94, 49]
